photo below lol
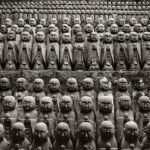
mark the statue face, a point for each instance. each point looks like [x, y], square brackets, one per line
[144, 104]
[8, 22]
[65, 28]
[105, 85]
[43, 22]
[121, 36]
[21, 84]
[139, 85]
[107, 130]
[27, 28]
[133, 37]
[9, 103]
[88, 84]
[14, 28]
[111, 21]
[11, 35]
[93, 36]
[72, 85]
[4, 84]
[77, 28]
[62, 132]
[89, 28]
[123, 84]
[25, 36]
[86, 132]
[54, 85]
[146, 36]
[125, 102]
[77, 21]
[127, 28]
[122, 22]
[114, 28]
[144, 22]
[21, 22]
[79, 37]
[108, 37]
[86, 104]
[66, 20]
[89, 20]
[105, 104]
[100, 28]
[133, 21]
[39, 28]
[52, 28]
[38, 85]
[131, 131]
[32, 22]
[46, 104]
[40, 133]
[28, 103]
[3, 28]
[40, 36]
[66, 104]
[53, 37]
[66, 37]
[138, 28]
[18, 132]
[54, 21]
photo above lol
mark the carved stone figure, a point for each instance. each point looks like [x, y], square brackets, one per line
[143, 115]
[121, 52]
[107, 57]
[104, 112]
[20, 92]
[114, 30]
[8, 23]
[146, 51]
[21, 24]
[9, 106]
[66, 52]
[85, 137]
[53, 28]
[54, 93]
[32, 23]
[63, 137]
[88, 28]
[18, 137]
[65, 29]
[122, 89]
[138, 91]
[38, 91]
[4, 144]
[109, 23]
[107, 138]
[127, 30]
[39, 28]
[15, 28]
[4, 31]
[100, 29]
[132, 22]
[29, 107]
[88, 90]
[79, 52]
[134, 52]
[131, 132]
[123, 115]
[93, 52]
[53, 51]
[11, 50]
[75, 29]
[25, 50]
[39, 51]
[41, 138]
[139, 29]
[144, 23]
[46, 115]
[67, 114]
[146, 144]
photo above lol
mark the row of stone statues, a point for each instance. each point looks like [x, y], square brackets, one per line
[77, 119]
[122, 48]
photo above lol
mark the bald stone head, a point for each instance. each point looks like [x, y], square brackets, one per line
[28, 103]
[54, 85]
[21, 84]
[131, 131]
[62, 132]
[38, 85]
[4, 84]
[8, 22]
[9, 103]
[18, 132]
[105, 84]
[122, 84]
[72, 85]
[144, 104]
[66, 104]
[88, 84]
[46, 104]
